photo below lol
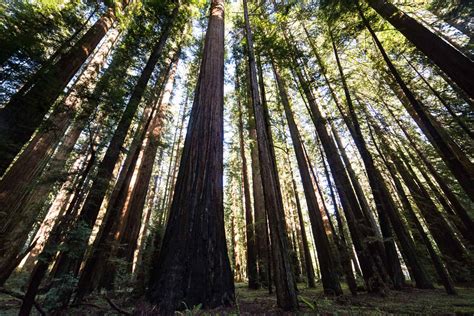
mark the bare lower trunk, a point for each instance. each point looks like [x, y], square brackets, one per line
[194, 268]
[326, 261]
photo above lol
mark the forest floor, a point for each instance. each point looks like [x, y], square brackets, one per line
[312, 301]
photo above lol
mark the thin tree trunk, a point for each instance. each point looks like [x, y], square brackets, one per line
[261, 216]
[283, 276]
[115, 219]
[361, 232]
[450, 195]
[252, 273]
[455, 159]
[304, 239]
[152, 140]
[330, 279]
[51, 246]
[384, 202]
[438, 264]
[439, 228]
[448, 107]
[341, 243]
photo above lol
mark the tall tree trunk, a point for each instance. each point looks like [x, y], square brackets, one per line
[361, 232]
[308, 264]
[194, 268]
[102, 179]
[283, 277]
[364, 204]
[261, 216]
[384, 202]
[456, 205]
[18, 214]
[252, 272]
[450, 60]
[143, 174]
[51, 247]
[305, 253]
[443, 235]
[24, 113]
[438, 264]
[455, 159]
[330, 279]
[106, 244]
[448, 107]
[341, 241]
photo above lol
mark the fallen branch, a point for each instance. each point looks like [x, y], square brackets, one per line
[114, 306]
[21, 297]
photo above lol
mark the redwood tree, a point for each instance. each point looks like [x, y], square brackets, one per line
[194, 268]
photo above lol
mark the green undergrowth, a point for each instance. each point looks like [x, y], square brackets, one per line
[312, 301]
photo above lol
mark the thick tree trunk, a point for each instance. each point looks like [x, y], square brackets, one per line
[252, 272]
[454, 63]
[24, 113]
[329, 276]
[384, 202]
[194, 268]
[461, 167]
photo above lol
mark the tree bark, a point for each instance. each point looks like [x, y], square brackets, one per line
[252, 272]
[361, 232]
[330, 279]
[384, 202]
[455, 159]
[450, 60]
[24, 113]
[18, 187]
[194, 268]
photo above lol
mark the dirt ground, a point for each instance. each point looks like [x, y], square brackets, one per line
[312, 301]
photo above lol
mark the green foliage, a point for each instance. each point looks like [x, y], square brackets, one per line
[195, 310]
[63, 288]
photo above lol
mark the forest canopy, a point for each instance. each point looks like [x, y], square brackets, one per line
[251, 157]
